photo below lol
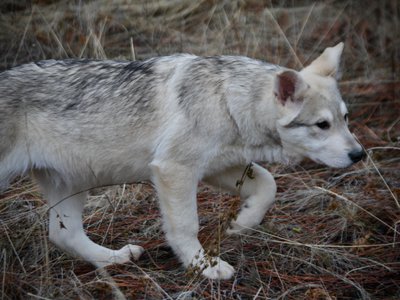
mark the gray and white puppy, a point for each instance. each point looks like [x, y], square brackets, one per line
[177, 120]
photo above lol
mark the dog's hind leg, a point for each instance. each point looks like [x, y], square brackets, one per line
[66, 228]
[257, 191]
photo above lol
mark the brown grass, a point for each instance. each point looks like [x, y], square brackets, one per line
[333, 234]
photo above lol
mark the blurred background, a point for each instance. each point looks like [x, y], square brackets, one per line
[332, 234]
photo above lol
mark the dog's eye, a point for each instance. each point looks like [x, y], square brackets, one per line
[346, 118]
[324, 125]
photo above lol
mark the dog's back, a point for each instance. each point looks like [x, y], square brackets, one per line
[59, 114]
[85, 118]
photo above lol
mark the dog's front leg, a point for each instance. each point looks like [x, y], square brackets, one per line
[176, 185]
[257, 189]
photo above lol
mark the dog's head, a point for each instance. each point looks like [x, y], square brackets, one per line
[312, 115]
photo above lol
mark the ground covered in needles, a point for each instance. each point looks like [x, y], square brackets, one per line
[332, 234]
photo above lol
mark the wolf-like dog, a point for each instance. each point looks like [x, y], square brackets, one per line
[176, 120]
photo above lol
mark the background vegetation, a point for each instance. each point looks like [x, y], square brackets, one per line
[333, 234]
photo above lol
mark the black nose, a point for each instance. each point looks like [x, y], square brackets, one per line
[356, 155]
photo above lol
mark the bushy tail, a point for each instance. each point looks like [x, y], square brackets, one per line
[4, 182]
[12, 164]
[10, 161]
[6, 174]
[5, 177]
[12, 158]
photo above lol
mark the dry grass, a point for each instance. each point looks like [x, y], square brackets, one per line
[333, 234]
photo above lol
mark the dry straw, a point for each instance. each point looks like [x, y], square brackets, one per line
[333, 234]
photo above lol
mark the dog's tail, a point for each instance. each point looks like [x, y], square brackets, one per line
[14, 153]
[12, 159]
[6, 148]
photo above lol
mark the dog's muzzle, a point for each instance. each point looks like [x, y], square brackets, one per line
[357, 155]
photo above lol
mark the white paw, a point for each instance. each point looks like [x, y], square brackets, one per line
[125, 254]
[218, 269]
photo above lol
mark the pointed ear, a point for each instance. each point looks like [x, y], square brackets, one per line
[327, 64]
[289, 85]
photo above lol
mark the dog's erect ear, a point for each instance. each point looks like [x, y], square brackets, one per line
[327, 64]
[289, 86]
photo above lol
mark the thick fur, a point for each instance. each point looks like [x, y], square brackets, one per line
[77, 124]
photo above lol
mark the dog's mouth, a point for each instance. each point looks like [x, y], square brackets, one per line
[335, 163]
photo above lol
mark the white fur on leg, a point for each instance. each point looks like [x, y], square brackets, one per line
[260, 190]
[257, 193]
[66, 228]
[176, 186]
[66, 231]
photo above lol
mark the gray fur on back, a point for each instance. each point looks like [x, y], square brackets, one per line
[84, 105]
